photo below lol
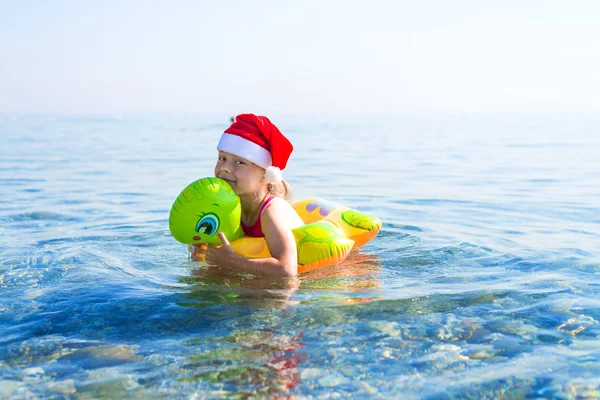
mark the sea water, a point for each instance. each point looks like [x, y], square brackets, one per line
[484, 281]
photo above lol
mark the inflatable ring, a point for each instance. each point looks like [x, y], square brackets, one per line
[209, 205]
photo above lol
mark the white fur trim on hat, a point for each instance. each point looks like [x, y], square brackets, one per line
[273, 175]
[246, 149]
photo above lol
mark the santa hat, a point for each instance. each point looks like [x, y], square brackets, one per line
[256, 139]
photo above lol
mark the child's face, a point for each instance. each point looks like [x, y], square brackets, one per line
[243, 176]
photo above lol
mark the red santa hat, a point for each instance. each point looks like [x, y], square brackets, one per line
[256, 139]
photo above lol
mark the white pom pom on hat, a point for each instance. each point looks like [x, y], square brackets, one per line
[256, 139]
[273, 175]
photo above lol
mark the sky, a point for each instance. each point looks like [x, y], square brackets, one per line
[310, 56]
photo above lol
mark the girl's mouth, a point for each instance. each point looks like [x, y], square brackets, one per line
[229, 181]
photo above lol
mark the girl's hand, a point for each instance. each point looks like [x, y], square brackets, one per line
[220, 255]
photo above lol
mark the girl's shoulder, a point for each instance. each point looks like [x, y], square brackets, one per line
[277, 203]
[280, 209]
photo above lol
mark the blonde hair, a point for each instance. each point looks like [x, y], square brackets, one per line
[282, 189]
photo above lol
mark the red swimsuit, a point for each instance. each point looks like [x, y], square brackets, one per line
[256, 229]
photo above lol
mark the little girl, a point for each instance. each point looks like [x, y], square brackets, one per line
[252, 154]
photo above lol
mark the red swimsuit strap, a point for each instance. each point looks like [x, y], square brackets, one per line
[256, 229]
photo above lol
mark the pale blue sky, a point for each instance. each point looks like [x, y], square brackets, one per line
[299, 56]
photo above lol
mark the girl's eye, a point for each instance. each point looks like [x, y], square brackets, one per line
[208, 224]
[240, 162]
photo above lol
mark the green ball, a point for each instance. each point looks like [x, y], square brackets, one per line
[204, 208]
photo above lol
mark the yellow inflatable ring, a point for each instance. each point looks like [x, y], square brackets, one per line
[209, 205]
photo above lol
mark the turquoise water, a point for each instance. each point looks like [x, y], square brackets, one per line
[483, 283]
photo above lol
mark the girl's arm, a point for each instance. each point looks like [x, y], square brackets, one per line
[277, 221]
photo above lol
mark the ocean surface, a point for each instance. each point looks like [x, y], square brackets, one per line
[483, 283]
